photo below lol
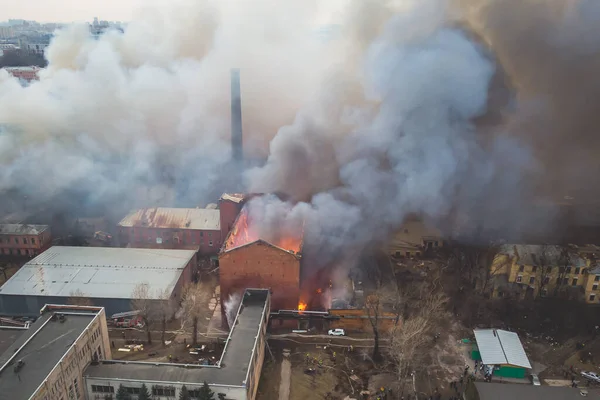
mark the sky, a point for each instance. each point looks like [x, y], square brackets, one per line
[86, 10]
[71, 10]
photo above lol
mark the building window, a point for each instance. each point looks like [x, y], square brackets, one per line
[534, 268]
[592, 297]
[23, 252]
[595, 286]
[519, 278]
[521, 268]
[102, 389]
[408, 254]
[574, 282]
[597, 278]
[24, 240]
[565, 281]
[531, 280]
[163, 391]
[32, 240]
[76, 386]
[546, 280]
[131, 390]
[577, 271]
[201, 234]
[500, 294]
[17, 240]
[549, 270]
[544, 292]
[568, 270]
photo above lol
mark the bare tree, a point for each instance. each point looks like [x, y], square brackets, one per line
[473, 262]
[373, 309]
[78, 298]
[194, 302]
[543, 263]
[408, 342]
[142, 302]
[164, 311]
[565, 260]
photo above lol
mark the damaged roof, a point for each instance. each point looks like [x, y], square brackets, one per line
[22, 229]
[529, 254]
[235, 197]
[174, 218]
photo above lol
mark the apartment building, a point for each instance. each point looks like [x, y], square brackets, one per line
[46, 362]
[531, 271]
[24, 240]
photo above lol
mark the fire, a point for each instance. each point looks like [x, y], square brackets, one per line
[301, 306]
[319, 291]
[244, 232]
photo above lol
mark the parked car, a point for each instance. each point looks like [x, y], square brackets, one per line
[535, 380]
[591, 376]
[336, 332]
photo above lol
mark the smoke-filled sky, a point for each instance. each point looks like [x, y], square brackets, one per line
[359, 131]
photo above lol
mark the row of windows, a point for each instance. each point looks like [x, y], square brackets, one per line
[16, 252]
[561, 270]
[166, 391]
[16, 240]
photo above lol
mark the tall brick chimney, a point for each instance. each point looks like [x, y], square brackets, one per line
[237, 149]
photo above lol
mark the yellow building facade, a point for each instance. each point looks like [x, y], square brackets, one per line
[531, 271]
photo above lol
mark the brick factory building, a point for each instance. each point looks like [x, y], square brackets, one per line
[107, 276]
[248, 260]
[27, 74]
[24, 240]
[201, 229]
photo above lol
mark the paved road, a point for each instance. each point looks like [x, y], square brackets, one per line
[286, 375]
[327, 340]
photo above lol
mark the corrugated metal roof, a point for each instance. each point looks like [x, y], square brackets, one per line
[497, 347]
[101, 272]
[174, 218]
[22, 229]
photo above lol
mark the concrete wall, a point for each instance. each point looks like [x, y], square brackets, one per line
[259, 265]
[357, 320]
[66, 377]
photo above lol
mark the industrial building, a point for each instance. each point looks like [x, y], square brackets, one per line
[236, 374]
[200, 229]
[501, 350]
[248, 260]
[23, 239]
[106, 276]
[46, 361]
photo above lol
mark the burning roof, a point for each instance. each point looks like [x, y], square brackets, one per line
[247, 230]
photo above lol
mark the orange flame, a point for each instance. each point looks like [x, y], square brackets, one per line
[319, 290]
[301, 306]
[244, 232]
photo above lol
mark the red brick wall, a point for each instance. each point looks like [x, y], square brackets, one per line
[15, 244]
[229, 211]
[208, 242]
[260, 265]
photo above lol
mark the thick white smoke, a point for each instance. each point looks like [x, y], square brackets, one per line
[359, 131]
[394, 137]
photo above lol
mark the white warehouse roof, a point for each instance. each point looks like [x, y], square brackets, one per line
[501, 347]
[98, 272]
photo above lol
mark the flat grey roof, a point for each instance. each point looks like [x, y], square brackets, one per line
[503, 391]
[41, 348]
[9, 336]
[497, 347]
[22, 229]
[98, 272]
[234, 364]
[174, 218]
